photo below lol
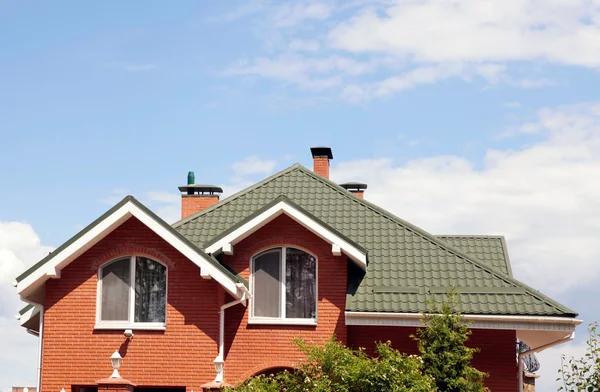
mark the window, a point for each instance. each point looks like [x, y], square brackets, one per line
[284, 287]
[132, 290]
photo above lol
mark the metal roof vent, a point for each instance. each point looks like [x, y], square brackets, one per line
[356, 188]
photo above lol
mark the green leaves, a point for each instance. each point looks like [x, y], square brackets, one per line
[582, 374]
[335, 367]
[444, 364]
[446, 358]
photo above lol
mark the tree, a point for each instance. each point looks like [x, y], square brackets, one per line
[582, 374]
[335, 367]
[445, 356]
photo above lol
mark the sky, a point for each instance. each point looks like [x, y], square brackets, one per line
[463, 116]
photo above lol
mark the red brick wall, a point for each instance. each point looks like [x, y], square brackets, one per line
[76, 354]
[497, 356]
[190, 204]
[321, 166]
[252, 348]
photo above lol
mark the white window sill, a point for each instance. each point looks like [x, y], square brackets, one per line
[277, 321]
[132, 326]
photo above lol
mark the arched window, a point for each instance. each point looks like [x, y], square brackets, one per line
[132, 290]
[284, 287]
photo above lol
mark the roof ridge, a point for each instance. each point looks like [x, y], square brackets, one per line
[437, 241]
[236, 195]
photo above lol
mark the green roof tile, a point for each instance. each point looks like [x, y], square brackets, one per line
[490, 250]
[399, 254]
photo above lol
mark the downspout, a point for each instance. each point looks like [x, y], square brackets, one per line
[41, 337]
[220, 359]
[537, 349]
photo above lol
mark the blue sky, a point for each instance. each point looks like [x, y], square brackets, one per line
[463, 117]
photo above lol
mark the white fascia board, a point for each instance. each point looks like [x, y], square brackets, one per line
[25, 317]
[530, 323]
[226, 243]
[57, 263]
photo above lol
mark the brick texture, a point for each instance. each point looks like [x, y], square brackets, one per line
[321, 166]
[190, 204]
[252, 349]
[76, 354]
[497, 356]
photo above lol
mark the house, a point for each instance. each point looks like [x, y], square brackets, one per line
[221, 294]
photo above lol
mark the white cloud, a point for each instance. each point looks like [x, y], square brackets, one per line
[440, 31]
[541, 196]
[292, 14]
[400, 42]
[307, 73]
[20, 247]
[253, 165]
[302, 45]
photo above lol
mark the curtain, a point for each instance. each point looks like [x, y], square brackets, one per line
[115, 291]
[300, 276]
[267, 285]
[150, 291]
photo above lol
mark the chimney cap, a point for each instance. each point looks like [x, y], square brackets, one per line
[200, 189]
[354, 186]
[321, 152]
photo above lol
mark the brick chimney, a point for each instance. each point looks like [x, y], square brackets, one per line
[321, 158]
[356, 188]
[195, 198]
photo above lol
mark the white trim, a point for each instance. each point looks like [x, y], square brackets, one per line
[102, 229]
[226, 243]
[31, 313]
[536, 323]
[131, 324]
[278, 321]
[282, 320]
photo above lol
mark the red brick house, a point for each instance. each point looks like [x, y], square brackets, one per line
[221, 294]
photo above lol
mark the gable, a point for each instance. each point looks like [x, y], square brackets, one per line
[283, 206]
[31, 281]
[406, 265]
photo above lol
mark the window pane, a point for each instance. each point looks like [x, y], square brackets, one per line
[150, 291]
[300, 274]
[267, 288]
[115, 291]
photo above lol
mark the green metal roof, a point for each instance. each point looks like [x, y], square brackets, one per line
[488, 249]
[406, 265]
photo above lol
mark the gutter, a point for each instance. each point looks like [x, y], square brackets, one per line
[220, 359]
[469, 317]
[568, 338]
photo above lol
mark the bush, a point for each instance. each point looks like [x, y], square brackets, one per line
[445, 356]
[335, 367]
[583, 374]
[444, 364]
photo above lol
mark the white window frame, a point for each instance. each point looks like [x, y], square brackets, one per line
[282, 319]
[129, 324]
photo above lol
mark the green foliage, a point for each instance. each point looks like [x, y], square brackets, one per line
[444, 364]
[583, 374]
[445, 356]
[335, 367]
